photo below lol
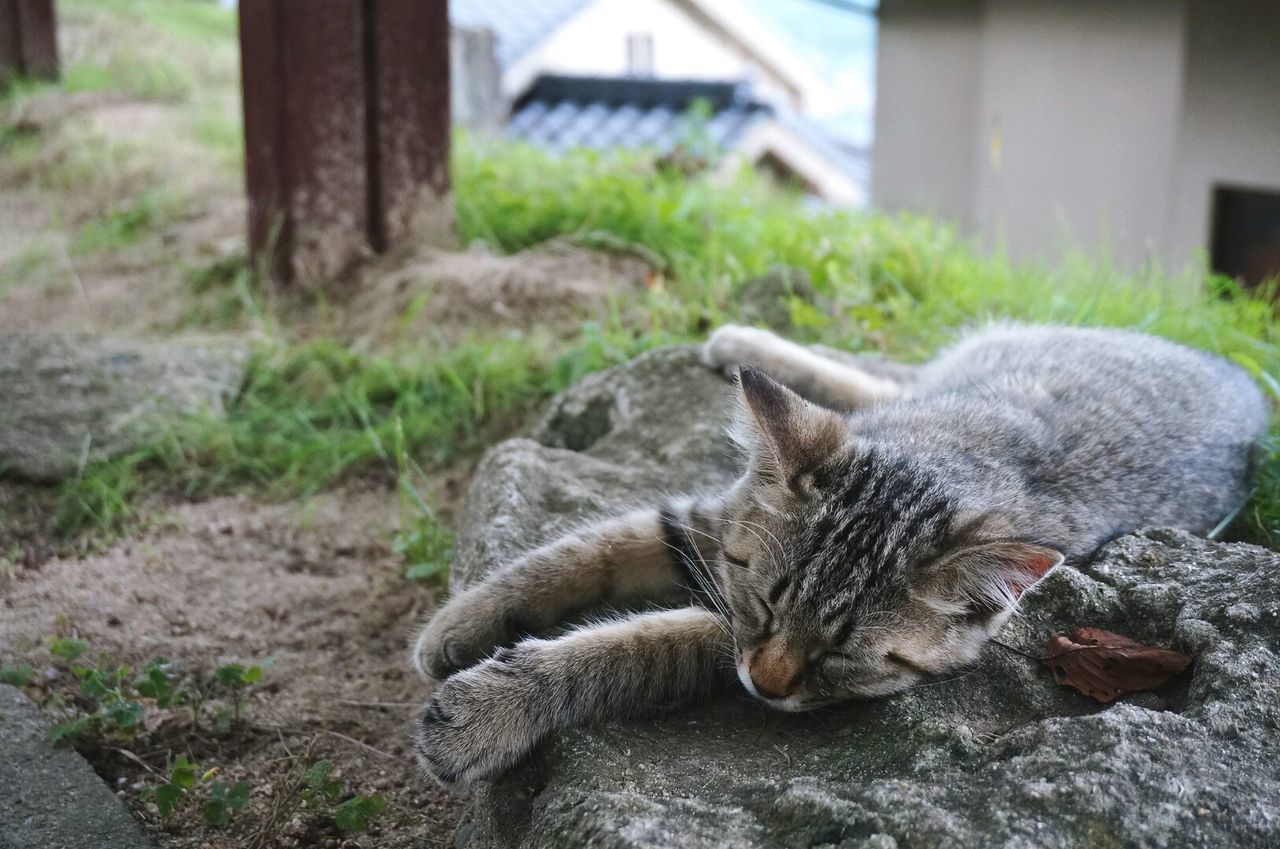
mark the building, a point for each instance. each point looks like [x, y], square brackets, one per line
[559, 112]
[608, 73]
[1139, 130]
[708, 40]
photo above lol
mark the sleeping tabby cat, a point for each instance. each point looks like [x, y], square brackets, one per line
[881, 532]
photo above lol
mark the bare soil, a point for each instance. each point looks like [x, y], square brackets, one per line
[312, 589]
[312, 586]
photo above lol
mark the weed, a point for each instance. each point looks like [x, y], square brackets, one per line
[311, 414]
[123, 226]
[321, 792]
[31, 263]
[237, 678]
[357, 813]
[184, 780]
[422, 542]
[224, 800]
[108, 701]
[16, 676]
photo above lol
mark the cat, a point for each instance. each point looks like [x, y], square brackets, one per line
[888, 520]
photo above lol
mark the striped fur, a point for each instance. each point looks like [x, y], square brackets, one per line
[882, 531]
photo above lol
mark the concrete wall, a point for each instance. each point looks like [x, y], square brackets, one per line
[1078, 117]
[1231, 114]
[928, 66]
[1048, 126]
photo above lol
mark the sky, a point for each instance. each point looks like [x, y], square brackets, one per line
[841, 45]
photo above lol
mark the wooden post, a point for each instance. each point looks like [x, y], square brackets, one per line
[28, 40]
[346, 130]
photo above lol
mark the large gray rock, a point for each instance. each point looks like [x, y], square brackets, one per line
[49, 797]
[66, 398]
[999, 756]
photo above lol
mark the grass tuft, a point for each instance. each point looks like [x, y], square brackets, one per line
[314, 412]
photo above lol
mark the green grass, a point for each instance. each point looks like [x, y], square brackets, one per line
[900, 285]
[150, 49]
[897, 285]
[125, 225]
[313, 413]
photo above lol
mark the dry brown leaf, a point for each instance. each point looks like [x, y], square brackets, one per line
[1104, 665]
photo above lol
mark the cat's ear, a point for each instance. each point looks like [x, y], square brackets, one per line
[785, 434]
[982, 580]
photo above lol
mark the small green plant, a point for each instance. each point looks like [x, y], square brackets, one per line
[124, 225]
[357, 813]
[321, 793]
[105, 703]
[109, 701]
[422, 542]
[182, 776]
[16, 676]
[156, 682]
[222, 800]
[236, 679]
[319, 789]
[67, 649]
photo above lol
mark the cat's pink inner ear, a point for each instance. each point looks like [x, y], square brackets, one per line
[1030, 563]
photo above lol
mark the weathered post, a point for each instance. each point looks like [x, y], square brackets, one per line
[346, 130]
[28, 40]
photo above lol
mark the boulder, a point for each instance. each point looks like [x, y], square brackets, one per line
[995, 756]
[67, 398]
[50, 798]
[767, 299]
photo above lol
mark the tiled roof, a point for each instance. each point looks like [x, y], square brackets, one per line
[560, 112]
[564, 112]
[520, 25]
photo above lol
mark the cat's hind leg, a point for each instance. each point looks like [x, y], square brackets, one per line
[484, 719]
[819, 378]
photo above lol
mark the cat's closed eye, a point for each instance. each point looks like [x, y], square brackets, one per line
[905, 663]
[767, 626]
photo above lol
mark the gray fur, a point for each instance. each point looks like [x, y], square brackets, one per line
[861, 550]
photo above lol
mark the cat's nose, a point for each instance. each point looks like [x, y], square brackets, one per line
[774, 671]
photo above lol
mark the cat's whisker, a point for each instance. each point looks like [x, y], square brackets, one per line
[704, 577]
[768, 549]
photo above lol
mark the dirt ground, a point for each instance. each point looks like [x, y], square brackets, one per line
[313, 591]
[309, 589]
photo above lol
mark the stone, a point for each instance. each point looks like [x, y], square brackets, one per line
[995, 756]
[767, 299]
[50, 798]
[69, 398]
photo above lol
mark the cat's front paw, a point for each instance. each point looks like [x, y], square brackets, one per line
[478, 723]
[461, 633]
[733, 345]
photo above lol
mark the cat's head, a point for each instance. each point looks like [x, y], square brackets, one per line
[847, 573]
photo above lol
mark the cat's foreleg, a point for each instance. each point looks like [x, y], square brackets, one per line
[819, 378]
[627, 558]
[484, 719]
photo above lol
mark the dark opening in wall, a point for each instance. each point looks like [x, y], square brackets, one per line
[1246, 234]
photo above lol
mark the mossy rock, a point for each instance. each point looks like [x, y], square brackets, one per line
[998, 756]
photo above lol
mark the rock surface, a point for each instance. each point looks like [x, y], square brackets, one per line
[49, 797]
[999, 756]
[66, 398]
